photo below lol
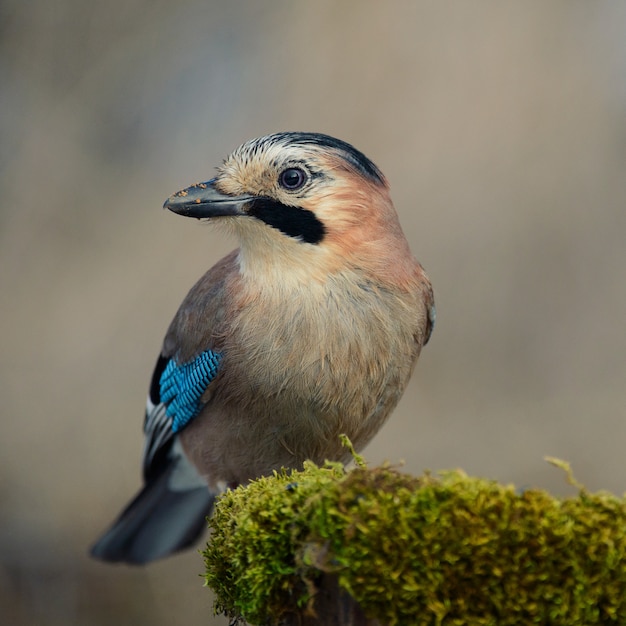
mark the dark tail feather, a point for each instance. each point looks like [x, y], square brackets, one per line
[159, 521]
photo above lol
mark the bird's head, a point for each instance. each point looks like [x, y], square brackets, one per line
[301, 198]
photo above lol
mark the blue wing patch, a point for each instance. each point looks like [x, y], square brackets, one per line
[182, 386]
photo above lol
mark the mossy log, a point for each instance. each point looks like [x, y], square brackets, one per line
[370, 547]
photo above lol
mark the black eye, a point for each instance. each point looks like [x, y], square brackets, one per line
[293, 178]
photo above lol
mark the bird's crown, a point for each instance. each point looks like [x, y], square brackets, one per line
[280, 148]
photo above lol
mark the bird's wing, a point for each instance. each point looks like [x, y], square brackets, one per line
[431, 313]
[169, 512]
[175, 398]
[183, 370]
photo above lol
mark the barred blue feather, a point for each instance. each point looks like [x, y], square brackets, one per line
[183, 384]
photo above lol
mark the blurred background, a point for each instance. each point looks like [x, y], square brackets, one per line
[501, 127]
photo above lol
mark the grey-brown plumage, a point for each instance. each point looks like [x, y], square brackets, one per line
[317, 320]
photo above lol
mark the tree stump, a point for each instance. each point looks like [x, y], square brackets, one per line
[332, 607]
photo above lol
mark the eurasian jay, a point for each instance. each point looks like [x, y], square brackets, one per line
[310, 329]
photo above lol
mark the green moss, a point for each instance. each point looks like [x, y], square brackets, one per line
[449, 550]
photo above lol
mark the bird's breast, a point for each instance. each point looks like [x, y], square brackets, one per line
[332, 350]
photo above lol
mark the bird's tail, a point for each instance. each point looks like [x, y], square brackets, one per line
[163, 518]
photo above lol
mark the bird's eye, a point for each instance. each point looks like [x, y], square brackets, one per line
[292, 178]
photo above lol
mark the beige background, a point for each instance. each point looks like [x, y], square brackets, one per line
[502, 129]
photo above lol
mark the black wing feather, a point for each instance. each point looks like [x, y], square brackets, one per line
[157, 427]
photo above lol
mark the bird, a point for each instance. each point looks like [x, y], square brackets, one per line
[309, 330]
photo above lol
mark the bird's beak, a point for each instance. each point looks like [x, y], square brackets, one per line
[203, 200]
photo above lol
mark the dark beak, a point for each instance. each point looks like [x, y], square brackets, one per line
[202, 200]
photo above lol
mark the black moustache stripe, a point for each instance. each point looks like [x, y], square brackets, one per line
[293, 221]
